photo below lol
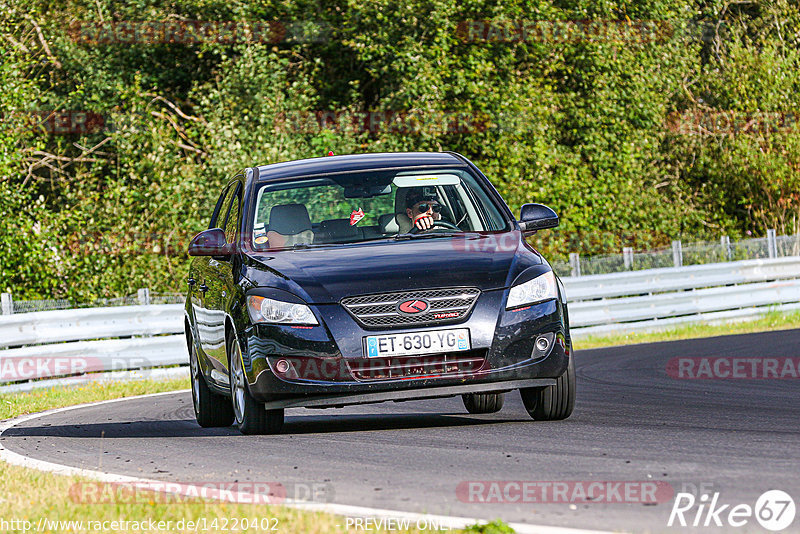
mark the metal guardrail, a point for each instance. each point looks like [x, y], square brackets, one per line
[671, 279]
[636, 300]
[47, 344]
[89, 323]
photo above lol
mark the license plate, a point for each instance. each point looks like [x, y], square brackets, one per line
[417, 343]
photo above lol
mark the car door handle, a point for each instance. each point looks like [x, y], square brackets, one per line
[191, 282]
[203, 288]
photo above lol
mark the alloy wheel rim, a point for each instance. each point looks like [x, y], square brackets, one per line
[195, 366]
[237, 384]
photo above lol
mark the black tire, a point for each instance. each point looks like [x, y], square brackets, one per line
[210, 410]
[476, 403]
[249, 415]
[552, 403]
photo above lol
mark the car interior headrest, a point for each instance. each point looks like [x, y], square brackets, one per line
[289, 219]
[338, 229]
[401, 218]
[387, 224]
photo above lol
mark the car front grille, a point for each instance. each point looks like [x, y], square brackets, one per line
[382, 310]
[466, 362]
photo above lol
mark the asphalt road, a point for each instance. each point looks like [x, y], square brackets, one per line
[633, 422]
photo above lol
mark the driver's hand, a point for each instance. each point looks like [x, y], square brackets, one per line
[423, 221]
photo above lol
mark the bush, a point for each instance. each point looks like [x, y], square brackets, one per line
[610, 131]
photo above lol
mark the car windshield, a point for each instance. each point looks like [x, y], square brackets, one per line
[365, 206]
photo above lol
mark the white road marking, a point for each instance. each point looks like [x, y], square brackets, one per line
[336, 509]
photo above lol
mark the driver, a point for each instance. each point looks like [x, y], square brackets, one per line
[423, 208]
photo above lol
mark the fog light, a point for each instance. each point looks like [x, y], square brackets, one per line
[282, 366]
[542, 344]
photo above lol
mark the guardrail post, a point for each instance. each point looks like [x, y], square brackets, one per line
[6, 304]
[575, 263]
[627, 257]
[144, 296]
[677, 253]
[725, 241]
[772, 244]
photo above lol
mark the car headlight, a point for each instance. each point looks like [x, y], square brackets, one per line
[266, 310]
[541, 288]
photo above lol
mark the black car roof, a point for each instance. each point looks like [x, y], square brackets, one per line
[357, 162]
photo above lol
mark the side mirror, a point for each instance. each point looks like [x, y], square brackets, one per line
[535, 217]
[210, 243]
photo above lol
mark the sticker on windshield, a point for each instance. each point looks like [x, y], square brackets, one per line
[356, 216]
[416, 180]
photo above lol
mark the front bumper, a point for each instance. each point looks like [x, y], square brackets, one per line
[328, 360]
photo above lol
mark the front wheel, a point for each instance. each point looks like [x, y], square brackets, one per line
[552, 403]
[210, 409]
[249, 414]
[477, 403]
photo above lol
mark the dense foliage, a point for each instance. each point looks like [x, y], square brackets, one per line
[675, 120]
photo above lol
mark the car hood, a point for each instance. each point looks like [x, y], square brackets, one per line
[328, 274]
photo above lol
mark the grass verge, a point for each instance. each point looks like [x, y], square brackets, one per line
[774, 320]
[38, 400]
[32, 496]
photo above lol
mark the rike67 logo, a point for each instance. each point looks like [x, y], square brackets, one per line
[774, 510]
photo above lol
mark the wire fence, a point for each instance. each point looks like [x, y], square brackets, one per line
[682, 254]
[142, 297]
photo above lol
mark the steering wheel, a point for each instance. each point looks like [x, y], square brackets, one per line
[439, 223]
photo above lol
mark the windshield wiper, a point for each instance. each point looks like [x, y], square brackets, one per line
[401, 237]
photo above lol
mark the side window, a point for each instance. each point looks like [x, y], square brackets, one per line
[457, 205]
[217, 209]
[222, 216]
[481, 200]
[232, 221]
